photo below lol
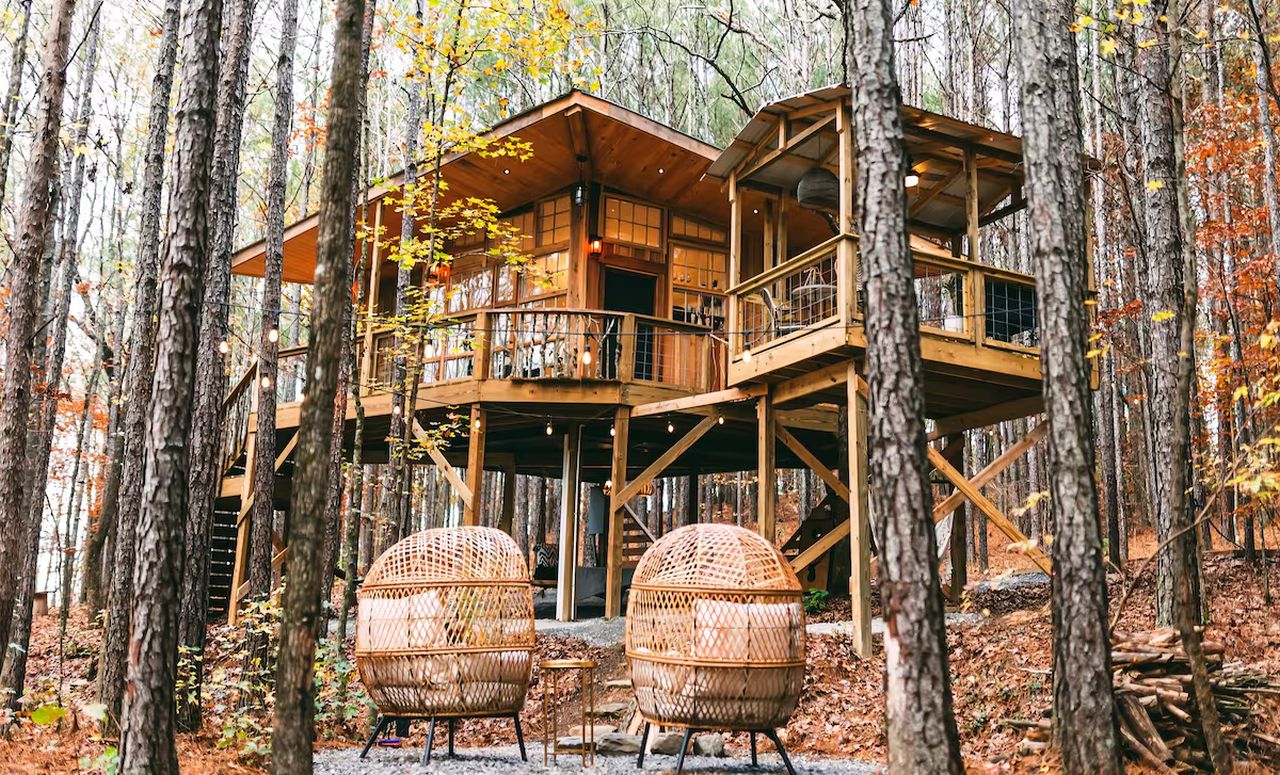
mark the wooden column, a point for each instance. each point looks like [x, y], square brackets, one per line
[971, 202]
[859, 518]
[766, 470]
[475, 465]
[735, 266]
[691, 512]
[959, 529]
[570, 526]
[375, 271]
[618, 477]
[846, 254]
[507, 519]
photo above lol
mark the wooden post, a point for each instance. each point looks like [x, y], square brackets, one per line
[240, 563]
[475, 465]
[959, 543]
[691, 512]
[618, 477]
[507, 519]
[766, 470]
[375, 271]
[971, 202]
[570, 526]
[735, 266]
[859, 518]
[846, 253]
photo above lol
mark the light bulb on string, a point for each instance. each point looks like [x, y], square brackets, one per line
[273, 335]
[671, 427]
[550, 430]
[746, 356]
[266, 382]
[720, 420]
[586, 356]
[224, 347]
[476, 424]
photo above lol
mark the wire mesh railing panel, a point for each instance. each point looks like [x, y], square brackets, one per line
[1010, 314]
[804, 297]
[940, 297]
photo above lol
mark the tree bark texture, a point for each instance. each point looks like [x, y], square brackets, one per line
[24, 299]
[148, 722]
[138, 377]
[921, 726]
[1084, 713]
[207, 414]
[10, 105]
[294, 729]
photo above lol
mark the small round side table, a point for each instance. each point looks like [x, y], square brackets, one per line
[586, 685]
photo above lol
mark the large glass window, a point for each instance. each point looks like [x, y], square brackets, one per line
[553, 221]
[545, 275]
[632, 223]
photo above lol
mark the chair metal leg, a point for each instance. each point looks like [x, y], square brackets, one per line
[453, 723]
[684, 746]
[754, 761]
[520, 738]
[377, 730]
[431, 738]
[644, 740]
[772, 734]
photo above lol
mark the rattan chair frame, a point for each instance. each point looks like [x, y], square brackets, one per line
[444, 630]
[715, 633]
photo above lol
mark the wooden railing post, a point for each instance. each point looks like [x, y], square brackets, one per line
[627, 348]
[481, 347]
[976, 304]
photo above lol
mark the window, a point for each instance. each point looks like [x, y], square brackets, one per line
[553, 221]
[522, 225]
[699, 268]
[632, 223]
[545, 275]
[471, 288]
[683, 227]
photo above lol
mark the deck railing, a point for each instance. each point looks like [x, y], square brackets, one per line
[819, 289]
[510, 344]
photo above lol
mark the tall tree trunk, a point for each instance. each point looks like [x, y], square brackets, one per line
[921, 726]
[210, 388]
[1169, 314]
[40, 444]
[1084, 713]
[261, 549]
[29, 249]
[147, 734]
[10, 104]
[138, 379]
[294, 730]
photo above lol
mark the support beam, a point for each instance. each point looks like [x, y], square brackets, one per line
[980, 418]
[994, 514]
[766, 471]
[570, 526]
[665, 459]
[613, 557]
[811, 460]
[475, 465]
[451, 474]
[698, 401]
[859, 515]
[991, 471]
[507, 519]
[959, 546]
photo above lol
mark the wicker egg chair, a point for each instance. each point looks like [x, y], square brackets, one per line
[715, 635]
[444, 630]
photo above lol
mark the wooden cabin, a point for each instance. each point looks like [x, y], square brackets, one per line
[688, 310]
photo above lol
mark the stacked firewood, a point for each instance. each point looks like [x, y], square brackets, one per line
[1159, 719]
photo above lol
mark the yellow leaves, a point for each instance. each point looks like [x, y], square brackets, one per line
[1107, 47]
[1085, 21]
[1202, 34]
[1162, 315]
[1244, 35]
[1155, 185]
[1137, 17]
[1147, 43]
[1240, 393]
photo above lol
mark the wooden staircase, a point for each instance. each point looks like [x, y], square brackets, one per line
[636, 538]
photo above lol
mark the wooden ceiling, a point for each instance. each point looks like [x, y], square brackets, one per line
[574, 138]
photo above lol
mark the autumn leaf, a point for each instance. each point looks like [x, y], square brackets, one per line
[1155, 185]
[1107, 46]
[1161, 316]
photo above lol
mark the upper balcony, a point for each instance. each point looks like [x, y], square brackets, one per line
[794, 298]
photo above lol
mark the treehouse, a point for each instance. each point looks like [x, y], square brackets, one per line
[678, 310]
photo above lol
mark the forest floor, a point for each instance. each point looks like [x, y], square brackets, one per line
[1000, 662]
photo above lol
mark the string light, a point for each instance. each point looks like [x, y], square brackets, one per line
[266, 382]
[671, 427]
[273, 335]
[746, 356]
[550, 430]
[720, 420]
[224, 347]
[613, 431]
[586, 356]
[476, 424]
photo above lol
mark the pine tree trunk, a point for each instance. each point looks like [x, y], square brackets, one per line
[294, 731]
[261, 549]
[921, 727]
[29, 243]
[7, 119]
[40, 445]
[207, 416]
[148, 726]
[138, 380]
[1084, 714]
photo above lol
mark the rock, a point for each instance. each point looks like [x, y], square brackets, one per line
[617, 743]
[708, 745]
[569, 744]
[600, 730]
[667, 743]
[611, 709]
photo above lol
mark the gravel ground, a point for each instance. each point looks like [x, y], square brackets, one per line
[506, 760]
[597, 632]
